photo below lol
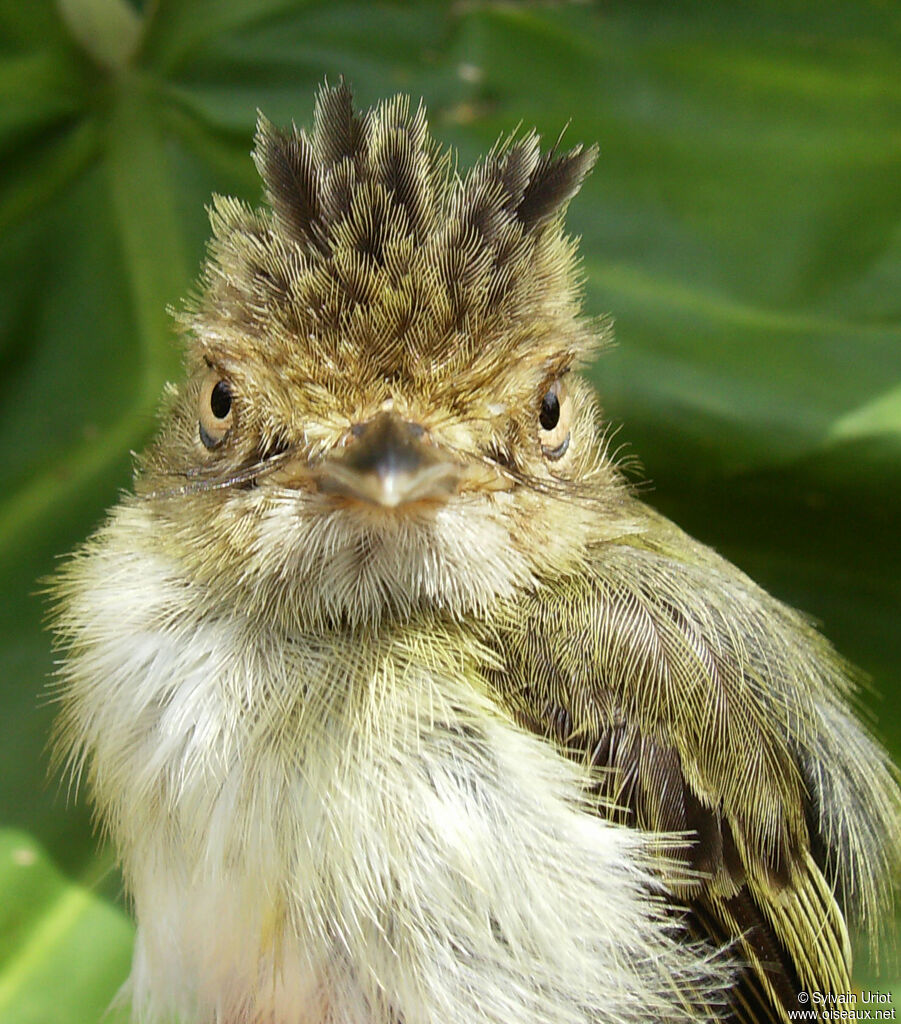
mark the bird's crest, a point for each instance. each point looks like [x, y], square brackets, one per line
[376, 251]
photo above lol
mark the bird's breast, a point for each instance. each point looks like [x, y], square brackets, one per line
[342, 827]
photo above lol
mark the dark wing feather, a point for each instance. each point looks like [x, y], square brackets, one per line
[639, 782]
[749, 1000]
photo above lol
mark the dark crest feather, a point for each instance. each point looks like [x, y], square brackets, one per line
[515, 167]
[310, 181]
[372, 234]
[555, 181]
[337, 130]
[288, 167]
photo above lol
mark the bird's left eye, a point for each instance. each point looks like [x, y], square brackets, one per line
[216, 410]
[554, 421]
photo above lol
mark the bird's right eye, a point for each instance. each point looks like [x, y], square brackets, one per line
[554, 419]
[216, 410]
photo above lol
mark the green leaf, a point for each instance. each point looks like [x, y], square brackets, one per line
[63, 951]
[743, 226]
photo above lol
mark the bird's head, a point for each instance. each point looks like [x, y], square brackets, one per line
[380, 414]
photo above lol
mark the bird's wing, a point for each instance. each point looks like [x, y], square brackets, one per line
[787, 923]
[706, 707]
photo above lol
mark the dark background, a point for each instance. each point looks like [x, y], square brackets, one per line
[743, 226]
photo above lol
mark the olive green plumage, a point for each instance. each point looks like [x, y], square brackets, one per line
[382, 537]
[724, 713]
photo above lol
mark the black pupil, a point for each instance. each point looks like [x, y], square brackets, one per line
[550, 411]
[220, 400]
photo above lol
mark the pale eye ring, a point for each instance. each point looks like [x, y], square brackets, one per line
[216, 409]
[554, 421]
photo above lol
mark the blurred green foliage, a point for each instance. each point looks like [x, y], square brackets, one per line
[743, 226]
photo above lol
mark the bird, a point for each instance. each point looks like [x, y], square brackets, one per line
[396, 701]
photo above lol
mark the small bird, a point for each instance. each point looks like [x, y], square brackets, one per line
[397, 703]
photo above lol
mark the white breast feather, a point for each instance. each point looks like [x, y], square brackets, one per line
[334, 831]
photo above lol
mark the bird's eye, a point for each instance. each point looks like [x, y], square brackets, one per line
[216, 411]
[550, 411]
[554, 421]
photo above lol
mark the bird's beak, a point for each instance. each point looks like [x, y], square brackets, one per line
[389, 463]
